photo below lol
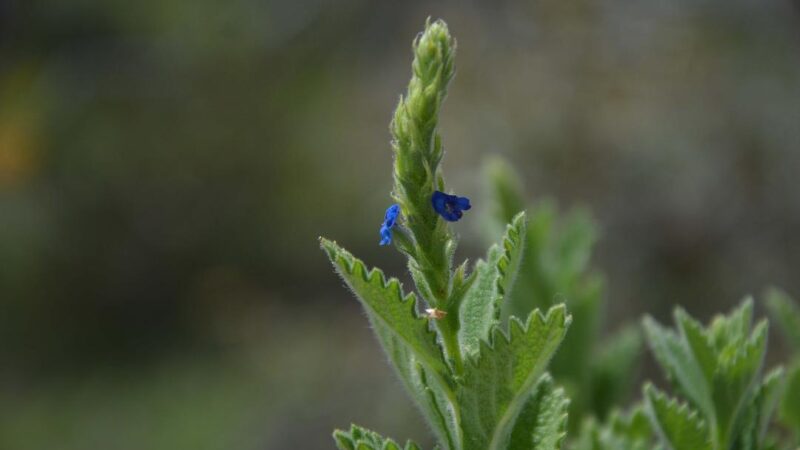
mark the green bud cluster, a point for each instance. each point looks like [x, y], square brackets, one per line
[417, 164]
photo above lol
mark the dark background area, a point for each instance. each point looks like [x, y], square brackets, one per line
[166, 168]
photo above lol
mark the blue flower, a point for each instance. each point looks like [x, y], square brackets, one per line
[388, 222]
[450, 207]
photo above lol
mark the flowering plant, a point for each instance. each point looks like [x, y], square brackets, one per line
[480, 383]
[476, 360]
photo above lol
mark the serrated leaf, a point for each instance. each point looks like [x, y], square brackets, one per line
[752, 429]
[699, 343]
[385, 303]
[729, 330]
[358, 438]
[679, 426]
[787, 314]
[630, 431]
[428, 392]
[635, 426]
[406, 339]
[513, 246]
[790, 404]
[500, 380]
[734, 381]
[542, 423]
[480, 305]
[535, 287]
[675, 358]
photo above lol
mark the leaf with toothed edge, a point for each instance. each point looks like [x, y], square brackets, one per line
[679, 364]
[677, 424]
[384, 301]
[494, 278]
[790, 404]
[752, 428]
[786, 314]
[499, 380]
[358, 438]
[542, 423]
[735, 378]
[621, 431]
[430, 396]
[405, 338]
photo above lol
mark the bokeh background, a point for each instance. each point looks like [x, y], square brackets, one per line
[167, 166]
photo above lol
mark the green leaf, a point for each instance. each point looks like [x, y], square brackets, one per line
[542, 423]
[407, 340]
[513, 248]
[480, 306]
[535, 287]
[718, 369]
[752, 429]
[385, 303]
[676, 359]
[500, 380]
[728, 331]
[787, 315]
[358, 438]
[630, 431]
[635, 426]
[790, 404]
[699, 343]
[734, 381]
[431, 396]
[679, 426]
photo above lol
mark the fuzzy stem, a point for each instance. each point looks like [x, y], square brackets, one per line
[417, 174]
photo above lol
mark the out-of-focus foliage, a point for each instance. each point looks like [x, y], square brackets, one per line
[786, 314]
[631, 431]
[555, 268]
[718, 370]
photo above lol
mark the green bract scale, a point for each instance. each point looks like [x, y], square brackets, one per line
[480, 382]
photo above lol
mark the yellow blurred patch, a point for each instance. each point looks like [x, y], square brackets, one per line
[17, 149]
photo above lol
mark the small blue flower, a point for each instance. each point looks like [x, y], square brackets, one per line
[450, 207]
[388, 222]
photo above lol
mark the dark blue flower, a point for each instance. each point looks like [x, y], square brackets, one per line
[388, 222]
[450, 207]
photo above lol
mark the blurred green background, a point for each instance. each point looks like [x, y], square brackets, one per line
[167, 166]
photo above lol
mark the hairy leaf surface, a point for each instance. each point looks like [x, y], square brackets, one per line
[500, 380]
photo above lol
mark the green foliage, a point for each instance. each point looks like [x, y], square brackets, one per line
[786, 314]
[477, 375]
[630, 431]
[499, 382]
[362, 439]
[476, 362]
[555, 267]
[718, 369]
[790, 406]
[480, 308]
